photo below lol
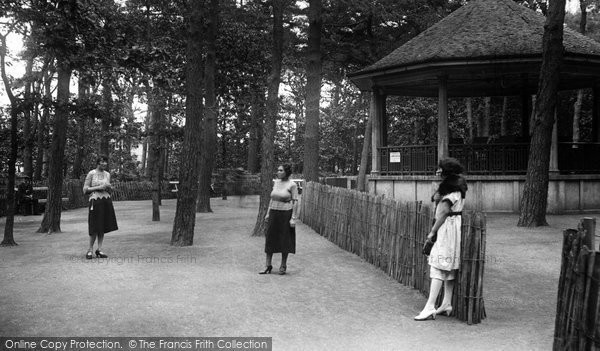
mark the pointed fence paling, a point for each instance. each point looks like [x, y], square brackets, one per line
[391, 235]
[577, 324]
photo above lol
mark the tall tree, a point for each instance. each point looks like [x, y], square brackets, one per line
[364, 157]
[211, 111]
[155, 109]
[28, 134]
[51, 220]
[483, 119]
[82, 102]
[256, 121]
[269, 127]
[470, 126]
[105, 121]
[313, 91]
[534, 201]
[503, 121]
[63, 23]
[8, 239]
[185, 212]
[42, 130]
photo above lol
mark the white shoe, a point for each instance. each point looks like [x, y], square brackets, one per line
[447, 309]
[426, 314]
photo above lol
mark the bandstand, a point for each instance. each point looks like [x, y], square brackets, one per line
[485, 48]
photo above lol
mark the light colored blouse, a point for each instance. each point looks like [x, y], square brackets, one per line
[445, 253]
[283, 195]
[96, 178]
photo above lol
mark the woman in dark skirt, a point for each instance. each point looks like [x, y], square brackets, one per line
[101, 217]
[281, 217]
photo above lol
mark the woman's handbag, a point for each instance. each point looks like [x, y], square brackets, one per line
[427, 247]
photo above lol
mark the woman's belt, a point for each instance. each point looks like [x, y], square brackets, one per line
[459, 213]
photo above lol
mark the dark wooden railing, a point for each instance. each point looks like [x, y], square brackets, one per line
[413, 159]
[579, 158]
[477, 158]
[492, 159]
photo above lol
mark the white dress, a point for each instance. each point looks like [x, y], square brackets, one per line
[445, 253]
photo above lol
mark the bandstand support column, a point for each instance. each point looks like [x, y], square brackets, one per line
[376, 113]
[553, 167]
[383, 117]
[596, 113]
[443, 137]
[525, 107]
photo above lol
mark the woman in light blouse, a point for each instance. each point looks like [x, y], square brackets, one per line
[101, 217]
[281, 217]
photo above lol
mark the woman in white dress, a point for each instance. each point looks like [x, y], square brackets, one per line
[101, 216]
[444, 258]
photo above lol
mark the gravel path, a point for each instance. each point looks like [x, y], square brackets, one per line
[330, 299]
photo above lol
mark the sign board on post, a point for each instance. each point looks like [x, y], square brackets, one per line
[394, 157]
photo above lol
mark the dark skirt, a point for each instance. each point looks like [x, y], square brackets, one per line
[101, 218]
[280, 236]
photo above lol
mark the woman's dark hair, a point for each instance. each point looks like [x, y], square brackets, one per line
[453, 181]
[450, 166]
[101, 158]
[287, 169]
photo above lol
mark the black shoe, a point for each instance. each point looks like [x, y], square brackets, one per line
[282, 270]
[100, 254]
[267, 271]
[89, 255]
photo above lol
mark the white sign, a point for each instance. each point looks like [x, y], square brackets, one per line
[394, 157]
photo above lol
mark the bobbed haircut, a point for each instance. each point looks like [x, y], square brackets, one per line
[450, 166]
[101, 158]
[287, 169]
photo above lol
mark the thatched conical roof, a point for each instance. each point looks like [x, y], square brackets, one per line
[490, 32]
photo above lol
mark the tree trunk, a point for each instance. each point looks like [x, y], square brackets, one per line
[144, 171]
[106, 118]
[354, 150]
[42, 131]
[154, 148]
[483, 123]
[8, 239]
[417, 131]
[533, 113]
[162, 158]
[81, 127]
[51, 221]
[210, 122]
[583, 19]
[27, 109]
[470, 126]
[269, 127]
[313, 92]
[256, 122]
[535, 192]
[185, 213]
[364, 157]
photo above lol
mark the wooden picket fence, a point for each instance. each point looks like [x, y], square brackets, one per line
[390, 235]
[577, 324]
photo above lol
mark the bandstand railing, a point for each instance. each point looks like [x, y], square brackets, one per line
[487, 159]
[579, 158]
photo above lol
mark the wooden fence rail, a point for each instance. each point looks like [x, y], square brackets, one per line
[390, 235]
[577, 324]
